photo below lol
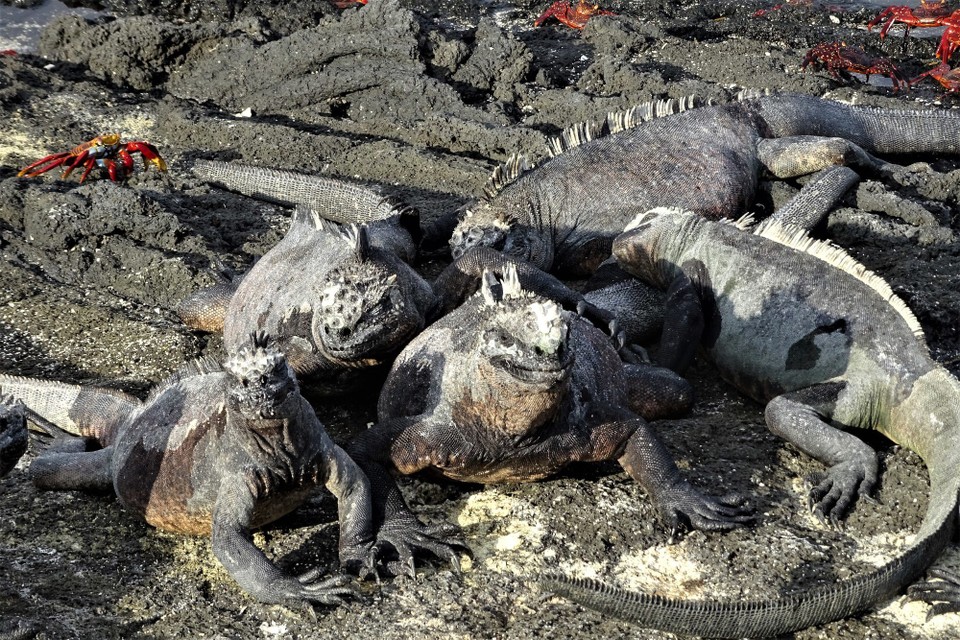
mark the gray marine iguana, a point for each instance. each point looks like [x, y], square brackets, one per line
[13, 432]
[511, 388]
[563, 214]
[798, 324]
[341, 299]
[215, 450]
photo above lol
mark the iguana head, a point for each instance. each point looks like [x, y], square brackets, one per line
[641, 240]
[366, 309]
[485, 224]
[522, 341]
[13, 432]
[263, 385]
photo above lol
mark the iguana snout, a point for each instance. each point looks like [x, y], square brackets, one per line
[13, 432]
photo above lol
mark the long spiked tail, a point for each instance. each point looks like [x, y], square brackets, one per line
[764, 618]
[882, 131]
[332, 199]
[82, 411]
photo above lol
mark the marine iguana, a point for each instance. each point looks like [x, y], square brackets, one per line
[798, 324]
[215, 450]
[511, 388]
[13, 433]
[341, 299]
[563, 214]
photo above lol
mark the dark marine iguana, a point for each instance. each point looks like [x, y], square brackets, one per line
[341, 299]
[563, 214]
[13, 433]
[215, 450]
[798, 324]
[511, 388]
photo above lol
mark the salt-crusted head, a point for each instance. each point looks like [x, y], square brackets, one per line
[264, 385]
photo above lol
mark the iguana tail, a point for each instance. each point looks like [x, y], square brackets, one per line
[882, 131]
[763, 618]
[88, 412]
[332, 199]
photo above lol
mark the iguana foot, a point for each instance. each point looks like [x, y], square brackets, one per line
[18, 630]
[942, 594]
[684, 506]
[410, 537]
[307, 588]
[835, 490]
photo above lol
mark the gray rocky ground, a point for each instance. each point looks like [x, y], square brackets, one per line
[424, 98]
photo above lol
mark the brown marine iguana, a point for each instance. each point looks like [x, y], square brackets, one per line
[13, 433]
[215, 450]
[798, 324]
[563, 214]
[511, 388]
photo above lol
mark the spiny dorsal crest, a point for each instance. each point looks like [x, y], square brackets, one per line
[653, 213]
[797, 238]
[751, 94]
[617, 121]
[312, 218]
[516, 165]
[508, 286]
[253, 360]
[357, 237]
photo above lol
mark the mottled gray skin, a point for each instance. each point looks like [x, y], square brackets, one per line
[826, 352]
[563, 215]
[510, 388]
[339, 300]
[213, 451]
[13, 433]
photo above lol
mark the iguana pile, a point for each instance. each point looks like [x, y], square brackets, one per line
[563, 214]
[799, 325]
[13, 433]
[511, 388]
[341, 298]
[215, 450]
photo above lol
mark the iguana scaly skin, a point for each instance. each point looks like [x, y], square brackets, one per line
[564, 214]
[13, 433]
[799, 325]
[511, 388]
[213, 451]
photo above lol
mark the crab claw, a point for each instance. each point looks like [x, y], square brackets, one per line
[150, 153]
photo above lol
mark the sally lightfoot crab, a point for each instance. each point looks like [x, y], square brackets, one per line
[930, 13]
[839, 58]
[105, 151]
[574, 17]
[942, 73]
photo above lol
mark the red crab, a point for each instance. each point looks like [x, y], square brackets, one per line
[951, 37]
[838, 57]
[346, 4]
[105, 151]
[930, 13]
[574, 17]
[942, 73]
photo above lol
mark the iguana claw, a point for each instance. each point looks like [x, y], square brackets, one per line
[835, 490]
[408, 538]
[686, 507]
[943, 593]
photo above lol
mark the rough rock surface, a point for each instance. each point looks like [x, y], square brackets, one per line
[424, 98]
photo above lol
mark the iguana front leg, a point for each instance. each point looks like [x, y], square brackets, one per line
[942, 592]
[648, 462]
[234, 548]
[206, 309]
[408, 445]
[793, 156]
[683, 320]
[350, 486]
[799, 417]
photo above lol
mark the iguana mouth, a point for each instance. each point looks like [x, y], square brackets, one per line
[546, 371]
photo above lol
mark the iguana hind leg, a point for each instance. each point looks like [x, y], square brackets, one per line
[799, 155]
[800, 418]
[60, 469]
